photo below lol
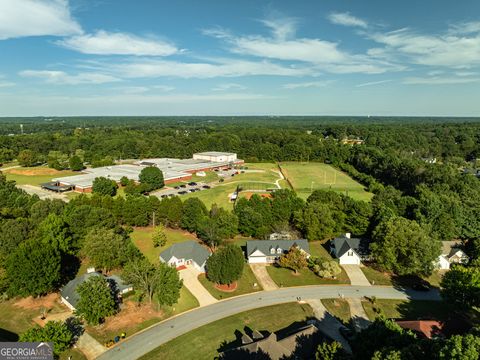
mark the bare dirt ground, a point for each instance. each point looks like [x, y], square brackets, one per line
[31, 303]
[131, 314]
[33, 172]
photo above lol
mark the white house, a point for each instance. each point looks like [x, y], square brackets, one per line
[349, 251]
[186, 253]
[451, 254]
[269, 251]
[216, 156]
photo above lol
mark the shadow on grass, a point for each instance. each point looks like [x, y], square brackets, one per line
[6, 336]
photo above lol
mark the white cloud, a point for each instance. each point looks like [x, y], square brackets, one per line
[322, 54]
[6, 84]
[439, 80]
[105, 43]
[152, 68]
[346, 19]
[455, 51]
[230, 86]
[371, 83]
[308, 84]
[282, 28]
[164, 88]
[132, 89]
[19, 18]
[60, 77]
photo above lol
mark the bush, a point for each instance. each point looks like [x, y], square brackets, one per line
[225, 265]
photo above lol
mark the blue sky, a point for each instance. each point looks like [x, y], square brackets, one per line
[213, 57]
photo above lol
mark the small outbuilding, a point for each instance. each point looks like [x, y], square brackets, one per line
[269, 251]
[186, 253]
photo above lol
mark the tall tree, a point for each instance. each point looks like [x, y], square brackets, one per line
[56, 332]
[167, 284]
[27, 158]
[159, 238]
[461, 285]
[151, 178]
[294, 259]
[225, 265]
[55, 231]
[105, 248]
[142, 274]
[404, 247]
[104, 186]
[97, 300]
[193, 212]
[75, 163]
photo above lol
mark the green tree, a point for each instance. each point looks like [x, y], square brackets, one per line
[151, 178]
[27, 158]
[75, 163]
[225, 265]
[55, 231]
[167, 284]
[403, 246]
[329, 351]
[56, 332]
[124, 181]
[294, 259]
[97, 300]
[461, 285]
[325, 268]
[105, 249]
[34, 268]
[142, 274]
[159, 237]
[104, 186]
[193, 212]
[461, 347]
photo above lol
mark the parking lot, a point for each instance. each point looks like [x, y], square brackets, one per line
[182, 189]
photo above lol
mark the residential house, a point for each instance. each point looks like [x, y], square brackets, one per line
[186, 253]
[348, 250]
[70, 297]
[269, 251]
[451, 254]
[275, 347]
[426, 329]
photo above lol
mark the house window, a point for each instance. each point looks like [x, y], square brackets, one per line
[350, 253]
[279, 251]
[272, 250]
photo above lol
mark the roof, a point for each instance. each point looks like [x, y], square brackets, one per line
[343, 244]
[449, 248]
[189, 250]
[266, 245]
[215, 153]
[275, 348]
[69, 291]
[427, 328]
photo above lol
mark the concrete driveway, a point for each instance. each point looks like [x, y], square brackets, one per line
[360, 319]
[356, 275]
[261, 273]
[190, 280]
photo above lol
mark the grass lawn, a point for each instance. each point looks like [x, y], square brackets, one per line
[35, 175]
[210, 176]
[338, 308]
[204, 342]
[142, 238]
[377, 277]
[74, 353]
[409, 310]
[307, 176]
[317, 249]
[285, 277]
[245, 285]
[102, 333]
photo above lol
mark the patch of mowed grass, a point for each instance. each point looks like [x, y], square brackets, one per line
[306, 177]
[244, 285]
[286, 277]
[142, 238]
[204, 342]
[35, 179]
[338, 308]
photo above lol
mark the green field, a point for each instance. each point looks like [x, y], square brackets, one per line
[245, 285]
[306, 177]
[286, 278]
[142, 238]
[204, 342]
[35, 175]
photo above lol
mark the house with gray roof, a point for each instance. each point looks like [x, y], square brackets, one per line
[348, 250]
[269, 251]
[70, 297]
[186, 253]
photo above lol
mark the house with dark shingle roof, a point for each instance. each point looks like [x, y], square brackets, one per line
[70, 297]
[186, 253]
[269, 251]
[348, 250]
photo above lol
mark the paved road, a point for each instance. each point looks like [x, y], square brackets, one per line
[146, 341]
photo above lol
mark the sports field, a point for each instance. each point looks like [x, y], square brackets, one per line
[35, 175]
[306, 177]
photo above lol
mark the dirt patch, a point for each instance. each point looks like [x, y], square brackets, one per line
[227, 288]
[131, 314]
[248, 194]
[31, 303]
[33, 171]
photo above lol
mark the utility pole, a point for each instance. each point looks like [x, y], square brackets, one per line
[153, 219]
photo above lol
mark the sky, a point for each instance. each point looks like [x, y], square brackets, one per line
[248, 57]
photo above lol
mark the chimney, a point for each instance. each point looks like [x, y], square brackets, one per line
[347, 235]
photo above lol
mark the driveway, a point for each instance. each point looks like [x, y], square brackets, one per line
[90, 347]
[190, 280]
[357, 312]
[356, 275]
[151, 338]
[327, 323]
[261, 273]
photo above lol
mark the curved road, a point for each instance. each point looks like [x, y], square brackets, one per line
[153, 337]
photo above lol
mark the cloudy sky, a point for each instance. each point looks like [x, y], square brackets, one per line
[217, 57]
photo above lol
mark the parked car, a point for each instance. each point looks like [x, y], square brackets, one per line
[206, 187]
[183, 186]
[192, 183]
[177, 187]
[182, 192]
[164, 196]
[192, 190]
